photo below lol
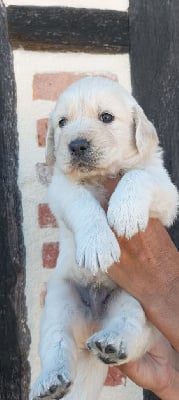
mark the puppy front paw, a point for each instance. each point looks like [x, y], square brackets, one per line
[97, 249]
[53, 384]
[127, 217]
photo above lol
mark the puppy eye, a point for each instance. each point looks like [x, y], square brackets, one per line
[62, 122]
[106, 117]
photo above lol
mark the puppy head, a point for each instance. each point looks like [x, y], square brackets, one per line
[97, 129]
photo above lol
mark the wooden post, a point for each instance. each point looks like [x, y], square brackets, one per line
[154, 57]
[14, 335]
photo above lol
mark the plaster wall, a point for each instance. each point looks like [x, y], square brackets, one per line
[120, 5]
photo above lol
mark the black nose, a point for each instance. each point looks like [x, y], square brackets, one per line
[78, 147]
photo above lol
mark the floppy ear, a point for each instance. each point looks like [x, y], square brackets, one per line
[50, 144]
[144, 131]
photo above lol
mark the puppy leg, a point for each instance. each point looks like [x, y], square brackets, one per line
[141, 193]
[129, 205]
[57, 347]
[96, 244]
[91, 374]
[126, 336]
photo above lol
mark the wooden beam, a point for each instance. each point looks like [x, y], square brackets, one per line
[14, 335]
[68, 29]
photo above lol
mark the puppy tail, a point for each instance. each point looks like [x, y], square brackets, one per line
[91, 374]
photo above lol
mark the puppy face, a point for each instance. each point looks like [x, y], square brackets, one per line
[98, 129]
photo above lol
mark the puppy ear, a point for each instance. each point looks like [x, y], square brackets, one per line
[50, 144]
[144, 131]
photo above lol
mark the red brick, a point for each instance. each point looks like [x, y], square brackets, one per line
[45, 217]
[48, 86]
[42, 125]
[50, 252]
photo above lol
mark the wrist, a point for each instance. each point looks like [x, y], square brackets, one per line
[171, 390]
[162, 309]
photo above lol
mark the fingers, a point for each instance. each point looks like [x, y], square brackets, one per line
[115, 377]
[43, 294]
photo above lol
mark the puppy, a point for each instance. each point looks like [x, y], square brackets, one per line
[97, 130]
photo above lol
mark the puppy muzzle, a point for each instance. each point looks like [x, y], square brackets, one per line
[82, 154]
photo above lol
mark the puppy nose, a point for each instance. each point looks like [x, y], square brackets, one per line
[79, 146]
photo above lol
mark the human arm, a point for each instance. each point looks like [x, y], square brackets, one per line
[149, 270]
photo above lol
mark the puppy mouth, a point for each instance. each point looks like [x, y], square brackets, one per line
[87, 163]
[83, 156]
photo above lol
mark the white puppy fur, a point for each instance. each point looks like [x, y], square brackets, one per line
[97, 130]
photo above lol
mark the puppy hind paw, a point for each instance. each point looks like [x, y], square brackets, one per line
[107, 349]
[50, 386]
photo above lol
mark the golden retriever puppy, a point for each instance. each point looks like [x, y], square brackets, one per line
[97, 130]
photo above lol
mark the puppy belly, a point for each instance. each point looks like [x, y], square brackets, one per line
[94, 301]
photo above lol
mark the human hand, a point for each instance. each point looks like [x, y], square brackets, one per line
[156, 371]
[115, 377]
